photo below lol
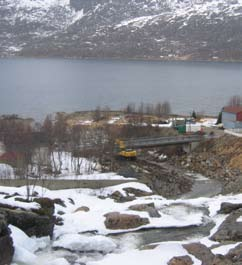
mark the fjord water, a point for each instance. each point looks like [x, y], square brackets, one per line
[36, 87]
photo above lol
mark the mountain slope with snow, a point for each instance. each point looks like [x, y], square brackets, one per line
[145, 29]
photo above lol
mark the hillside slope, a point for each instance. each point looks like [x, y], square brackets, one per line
[218, 158]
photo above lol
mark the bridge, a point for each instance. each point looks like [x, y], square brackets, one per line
[148, 142]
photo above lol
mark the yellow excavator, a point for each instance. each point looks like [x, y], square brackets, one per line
[124, 153]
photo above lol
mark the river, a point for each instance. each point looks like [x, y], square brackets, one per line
[36, 87]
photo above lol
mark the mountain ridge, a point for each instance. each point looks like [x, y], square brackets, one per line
[134, 29]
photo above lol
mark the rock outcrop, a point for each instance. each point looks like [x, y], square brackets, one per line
[227, 207]
[218, 158]
[31, 223]
[230, 229]
[6, 243]
[35, 222]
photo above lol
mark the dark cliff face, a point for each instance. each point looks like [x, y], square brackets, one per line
[159, 29]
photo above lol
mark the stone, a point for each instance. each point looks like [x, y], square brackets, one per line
[31, 223]
[6, 243]
[137, 192]
[149, 208]
[201, 252]
[118, 197]
[82, 209]
[116, 221]
[141, 207]
[7, 250]
[222, 260]
[227, 207]
[60, 202]
[47, 206]
[230, 229]
[183, 260]
[71, 201]
[235, 254]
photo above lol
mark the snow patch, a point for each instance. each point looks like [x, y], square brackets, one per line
[83, 243]
[6, 171]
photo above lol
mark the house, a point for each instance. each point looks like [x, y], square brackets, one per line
[232, 117]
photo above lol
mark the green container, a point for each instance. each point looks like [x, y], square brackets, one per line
[181, 129]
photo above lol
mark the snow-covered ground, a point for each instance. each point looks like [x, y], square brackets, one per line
[85, 231]
[6, 171]
[234, 132]
[68, 167]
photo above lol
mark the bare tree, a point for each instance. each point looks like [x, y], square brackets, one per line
[106, 112]
[166, 108]
[130, 108]
[158, 109]
[235, 100]
[149, 109]
[97, 114]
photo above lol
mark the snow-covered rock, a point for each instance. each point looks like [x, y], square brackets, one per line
[83, 243]
[25, 247]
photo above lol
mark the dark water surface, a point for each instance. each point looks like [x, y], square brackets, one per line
[35, 87]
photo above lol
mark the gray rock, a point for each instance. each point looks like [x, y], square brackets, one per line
[227, 207]
[6, 243]
[149, 208]
[31, 223]
[222, 260]
[230, 229]
[235, 254]
[201, 252]
[118, 197]
[136, 192]
[183, 260]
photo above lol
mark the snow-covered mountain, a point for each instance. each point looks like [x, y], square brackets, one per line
[147, 29]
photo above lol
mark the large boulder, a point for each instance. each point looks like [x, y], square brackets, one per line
[117, 196]
[116, 221]
[183, 260]
[47, 206]
[31, 223]
[235, 254]
[148, 207]
[230, 229]
[6, 243]
[201, 252]
[227, 207]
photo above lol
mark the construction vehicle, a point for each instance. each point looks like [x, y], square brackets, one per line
[122, 152]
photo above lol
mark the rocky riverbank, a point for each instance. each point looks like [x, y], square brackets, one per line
[219, 159]
[35, 218]
[88, 223]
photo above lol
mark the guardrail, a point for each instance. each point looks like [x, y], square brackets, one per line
[162, 141]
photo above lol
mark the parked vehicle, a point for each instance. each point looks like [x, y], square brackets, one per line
[124, 153]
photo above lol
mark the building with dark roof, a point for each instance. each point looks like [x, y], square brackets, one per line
[232, 117]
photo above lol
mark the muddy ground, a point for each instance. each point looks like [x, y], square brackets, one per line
[219, 159]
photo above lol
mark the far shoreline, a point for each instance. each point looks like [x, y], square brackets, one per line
[121, 59]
